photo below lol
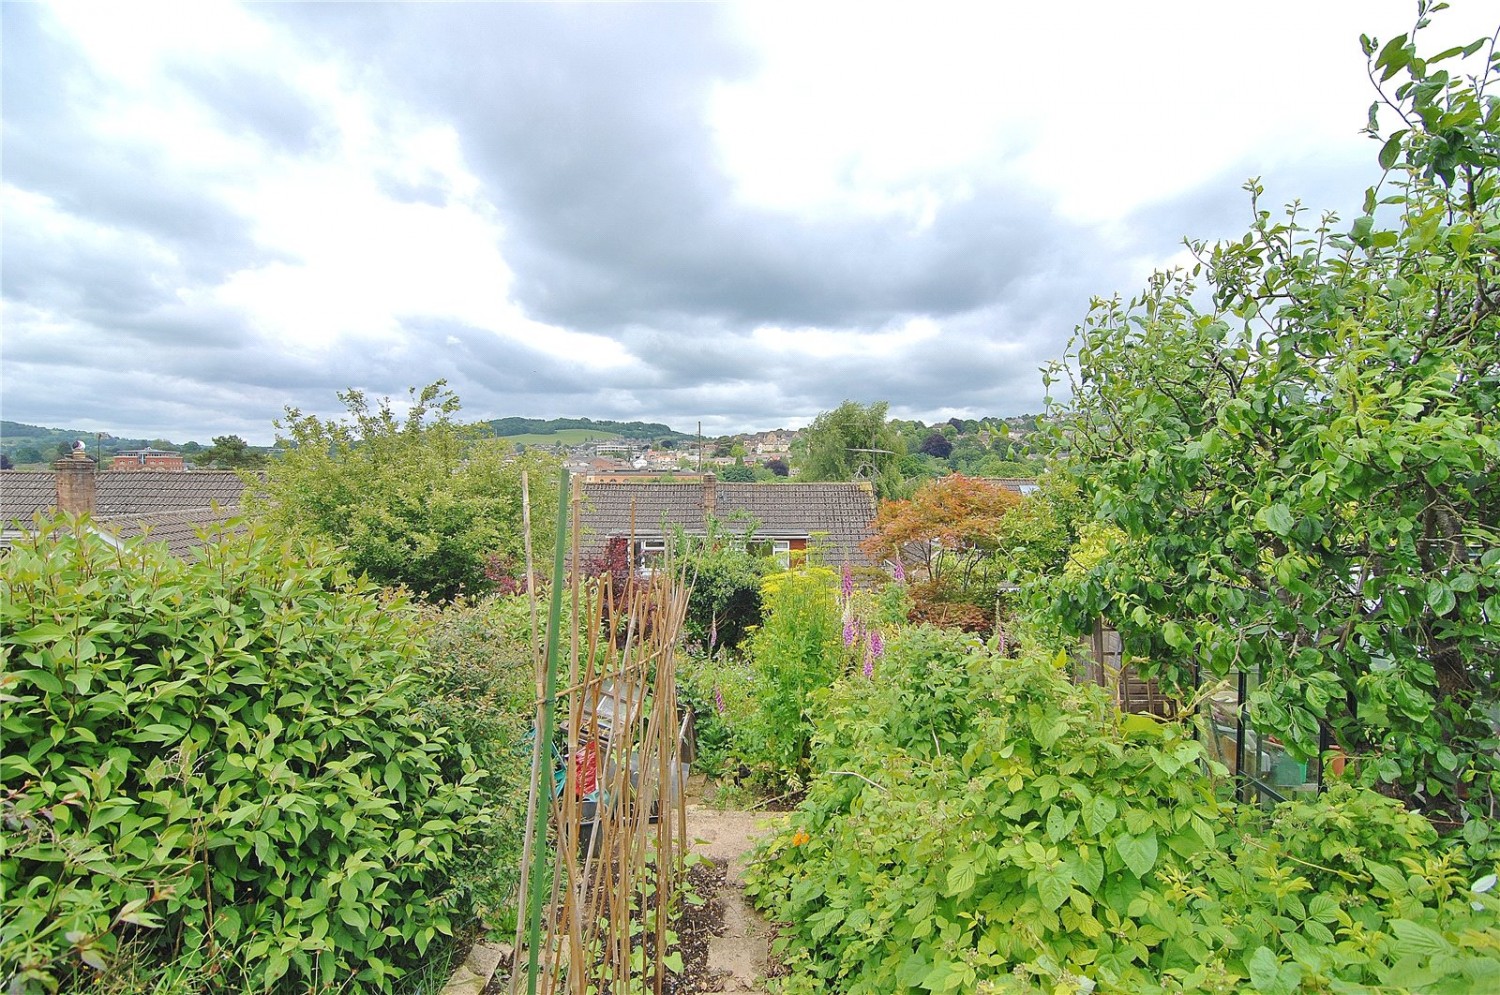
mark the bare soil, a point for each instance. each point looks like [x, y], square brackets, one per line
[725, 944]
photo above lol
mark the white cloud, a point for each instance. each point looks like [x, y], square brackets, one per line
[920, 198]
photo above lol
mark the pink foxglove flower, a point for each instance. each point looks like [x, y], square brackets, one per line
[877, 645]
[718, 700]
[851, 632]
[846, 583]
[869, 668]
[900, 572]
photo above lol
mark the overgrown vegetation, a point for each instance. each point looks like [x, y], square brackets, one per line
[235, 768]
[951, 529]
[978, 823]
[421, 501]
[756, 713]
[1301, 478]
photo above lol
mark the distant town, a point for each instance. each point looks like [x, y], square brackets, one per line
[597, 450]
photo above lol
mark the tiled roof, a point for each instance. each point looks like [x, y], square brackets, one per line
[169, 506]
[23, 493]
[840, 514]
[144, 491]
[178, 529]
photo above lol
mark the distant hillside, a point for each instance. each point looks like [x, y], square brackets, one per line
[29, 444]
[507, 427]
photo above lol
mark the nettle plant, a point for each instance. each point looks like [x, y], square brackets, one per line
[978, 823]
[222, 765]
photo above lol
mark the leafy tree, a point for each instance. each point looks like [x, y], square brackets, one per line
[1036, 537]
[951, 526]
[724, 603]
[1303, 461]
[29, 454]
[233, 452]
[854, 442]
[5, 463]
[777, 466]
[936, 444]
[737, 474]
[422, 501]
[950, 523]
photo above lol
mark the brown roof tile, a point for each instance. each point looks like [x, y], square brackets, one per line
[144, 491]
[839, 514]
[23, 493]
[180, 530]
[169, 506]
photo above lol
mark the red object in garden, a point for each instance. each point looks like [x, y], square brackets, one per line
[586, 768]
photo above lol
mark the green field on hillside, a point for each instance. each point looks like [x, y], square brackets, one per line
[563, 436]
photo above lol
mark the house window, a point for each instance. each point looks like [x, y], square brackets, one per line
[648, 555]
[779, 549]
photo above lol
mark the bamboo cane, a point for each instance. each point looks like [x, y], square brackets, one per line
[544, 735]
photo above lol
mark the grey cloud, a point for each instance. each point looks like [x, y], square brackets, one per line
[590, 127]
[256, 100]
[587, 126]
[51, 149]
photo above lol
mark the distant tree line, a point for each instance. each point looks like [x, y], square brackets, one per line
[504, 427]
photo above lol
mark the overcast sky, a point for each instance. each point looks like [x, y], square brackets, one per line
[739, 214]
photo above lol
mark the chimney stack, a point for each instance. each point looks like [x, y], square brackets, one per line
[710, 496]
[76, 489]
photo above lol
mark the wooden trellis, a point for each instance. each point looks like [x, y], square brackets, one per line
[1107, 667]
[607, 838]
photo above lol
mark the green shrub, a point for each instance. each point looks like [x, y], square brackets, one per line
[480, 682]
[979, 823]
[724, 604]
[223, 761]
[795, 652]
[717, 687]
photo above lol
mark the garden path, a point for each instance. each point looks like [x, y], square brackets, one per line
[737, 958]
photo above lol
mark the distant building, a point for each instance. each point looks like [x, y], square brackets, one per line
[641, 516]
[1023, 486]
[618, 448]
[147, 459]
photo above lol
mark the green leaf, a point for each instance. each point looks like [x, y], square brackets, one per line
[1099, 814]
[1264, 971]
[1053, 886]
[960, 878]
[42, 679]
[1440, 599]
[1390, 150]
[1138, 852]
[1277, 518]
[1415, 940]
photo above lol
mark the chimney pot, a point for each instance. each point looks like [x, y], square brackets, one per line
[710, 495]
[76, 486]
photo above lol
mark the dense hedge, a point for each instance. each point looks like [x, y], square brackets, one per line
[979, 824]
[219, 763]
